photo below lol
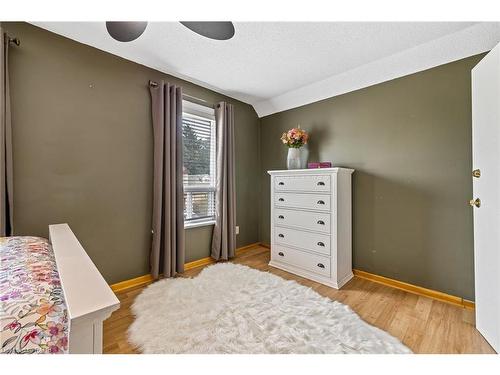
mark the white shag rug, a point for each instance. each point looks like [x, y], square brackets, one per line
[230, 308]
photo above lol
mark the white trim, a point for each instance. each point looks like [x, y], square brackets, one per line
[198, 110]
[464, 43]
[89, 299]
[198, 223]
[312, 171]
[205, 113]
[311, 275]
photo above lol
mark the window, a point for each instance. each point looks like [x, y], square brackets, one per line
[198, 135]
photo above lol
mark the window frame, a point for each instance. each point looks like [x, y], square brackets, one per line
[195, 110]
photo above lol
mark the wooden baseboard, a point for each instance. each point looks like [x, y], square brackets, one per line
[209, 260]
[410, 288]
[247, 247]
[198, 263]
[421, 291]
[123, 286]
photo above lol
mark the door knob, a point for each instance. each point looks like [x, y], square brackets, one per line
[475, 202]
[476, 173]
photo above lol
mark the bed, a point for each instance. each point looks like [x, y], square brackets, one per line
[52, 297]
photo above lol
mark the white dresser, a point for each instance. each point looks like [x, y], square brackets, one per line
[311, 224]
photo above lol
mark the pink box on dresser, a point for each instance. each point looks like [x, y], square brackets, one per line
[322, 164]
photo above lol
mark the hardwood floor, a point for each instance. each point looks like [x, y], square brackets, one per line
[423, 324]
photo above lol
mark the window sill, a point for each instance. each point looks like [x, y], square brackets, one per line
[197, 224]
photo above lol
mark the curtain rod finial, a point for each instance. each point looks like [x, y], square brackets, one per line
[15, 41]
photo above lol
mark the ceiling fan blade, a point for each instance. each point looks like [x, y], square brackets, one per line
[125, 31]
[222, 30]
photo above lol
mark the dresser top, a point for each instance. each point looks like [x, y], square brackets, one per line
[312, 171]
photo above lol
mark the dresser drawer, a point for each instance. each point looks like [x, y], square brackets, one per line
[308, 201]
[310, 262]
[311, 241]
[302, 183]
[317, 221]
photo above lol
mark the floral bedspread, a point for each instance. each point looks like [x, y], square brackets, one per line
[33, 315]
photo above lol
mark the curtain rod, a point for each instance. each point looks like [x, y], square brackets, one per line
[15, 41]
[155, 84]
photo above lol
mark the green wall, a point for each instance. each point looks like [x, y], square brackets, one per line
[409, 140]
[83, 151]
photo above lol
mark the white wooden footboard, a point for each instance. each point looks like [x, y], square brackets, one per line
[89, 299]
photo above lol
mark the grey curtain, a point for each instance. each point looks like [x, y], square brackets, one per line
[167, 252]
[224, 234]
[6, 184]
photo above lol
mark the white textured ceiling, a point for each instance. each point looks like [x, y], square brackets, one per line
[280, 65]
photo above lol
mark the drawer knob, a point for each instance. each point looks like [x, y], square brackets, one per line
[321, 244]
[281, 199]
[281, 254]
[281, 235]
[321, 202]
[321, 265]
[321, 183]
[281, 183]
[281, 217]
[321, 222]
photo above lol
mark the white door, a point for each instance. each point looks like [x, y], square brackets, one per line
[486, 186]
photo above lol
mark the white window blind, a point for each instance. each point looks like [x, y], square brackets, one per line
[198, 135]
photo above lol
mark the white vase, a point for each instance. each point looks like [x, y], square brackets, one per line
[297, 157]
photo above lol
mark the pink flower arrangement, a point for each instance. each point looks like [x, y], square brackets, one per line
[295, 138]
